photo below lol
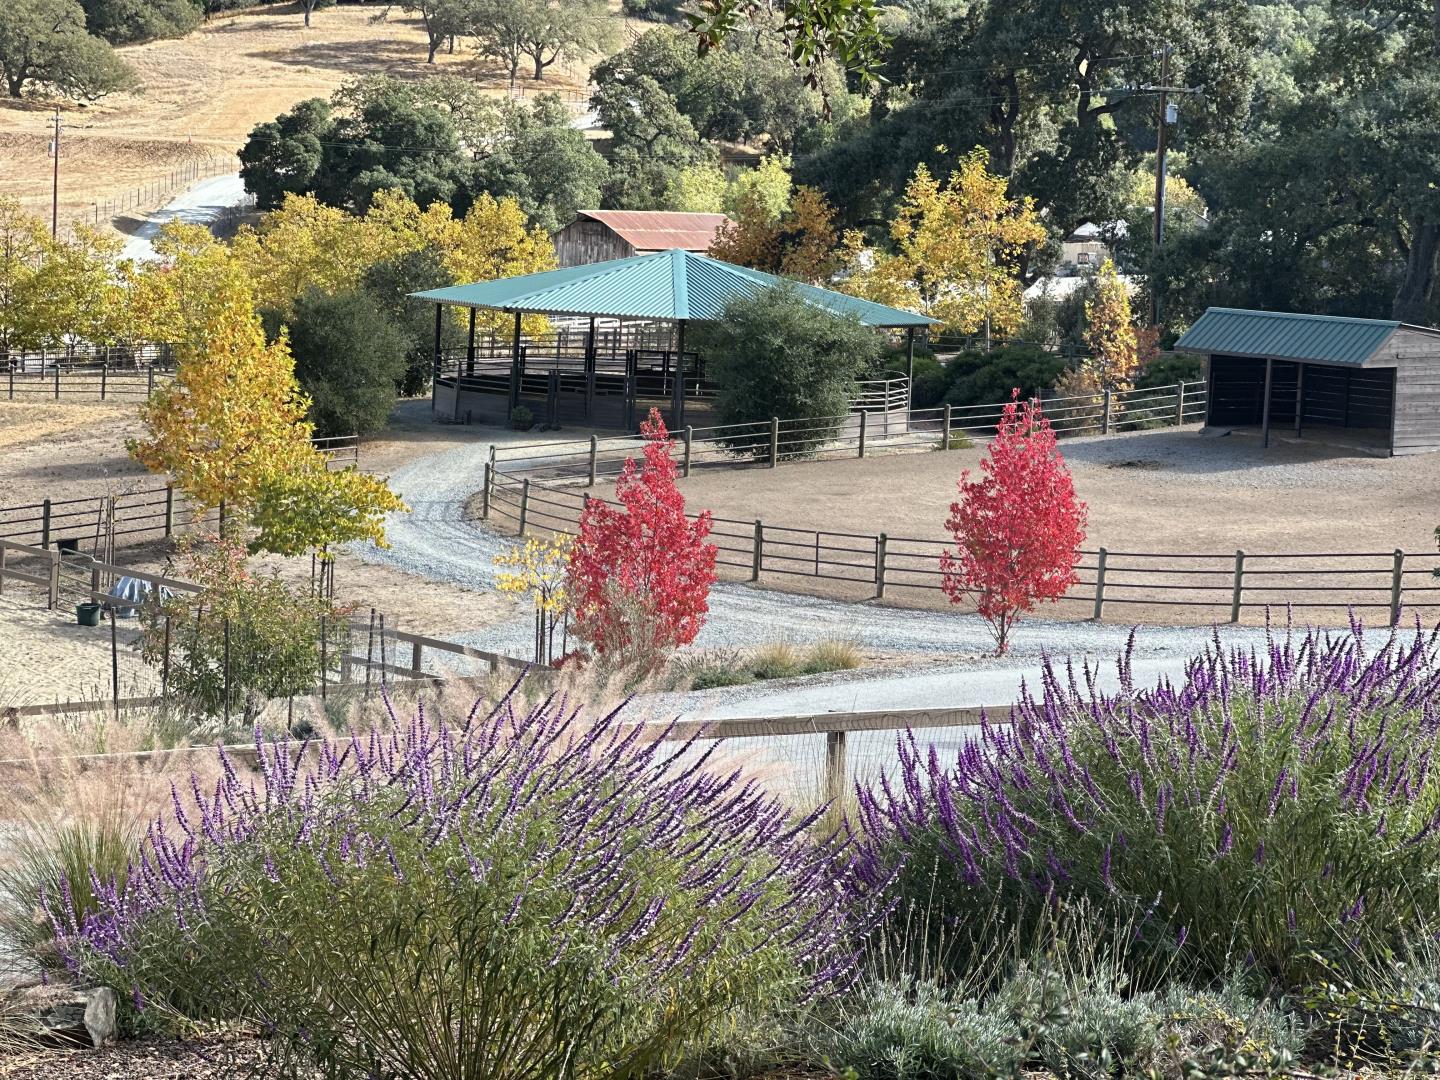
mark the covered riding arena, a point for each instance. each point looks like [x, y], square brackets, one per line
[617, 341]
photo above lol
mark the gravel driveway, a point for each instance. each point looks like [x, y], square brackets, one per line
[436, 542]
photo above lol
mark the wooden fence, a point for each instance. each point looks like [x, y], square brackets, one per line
[533, 488]
[876, 427]
[153, 513]
[1210, 586]
[836, 727]
[87, 380]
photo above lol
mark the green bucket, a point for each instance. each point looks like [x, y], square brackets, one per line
[87, 614]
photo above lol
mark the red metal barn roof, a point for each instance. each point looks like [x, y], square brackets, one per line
[660, 230]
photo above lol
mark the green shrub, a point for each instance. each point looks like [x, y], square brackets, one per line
[776, 660]
[388, 285]
[521, 418]
[1167, 369]
[349, 357]
[931, 380]
[774, 354]
[517, 896]
[48, 865]
[976, 378]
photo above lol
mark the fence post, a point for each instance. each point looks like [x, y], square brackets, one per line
[945, 429]
[524, 503]
[485, 495]
[57, 376]
[1397, 578]
[12, 383]
[881, 543]
[94, 596]
[594, 452]
[835, 767]
[54, 589]
[150, 379]
[1100, 584]
[416, 656]
[774, 440]
[689, 439]
[104, 377]
[45, 524]
[1236, 596]
[759, 550]
[1105, 412]
[1180, 403]
[863, 415]
[169, 510]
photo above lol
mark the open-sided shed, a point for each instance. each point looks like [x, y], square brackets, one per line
[619, 344]
[1373, 383]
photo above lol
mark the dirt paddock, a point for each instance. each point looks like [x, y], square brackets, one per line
[1159, 491]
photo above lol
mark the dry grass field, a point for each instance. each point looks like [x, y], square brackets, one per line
[202, 95]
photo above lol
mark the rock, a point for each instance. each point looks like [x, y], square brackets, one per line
[100, 1016]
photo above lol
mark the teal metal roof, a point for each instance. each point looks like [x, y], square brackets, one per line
[666, 285]
[1279, 335]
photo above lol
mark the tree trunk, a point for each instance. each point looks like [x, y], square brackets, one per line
[1412, 299]
[539, 67]
[16, 84]
[434, 47]
[309, 6]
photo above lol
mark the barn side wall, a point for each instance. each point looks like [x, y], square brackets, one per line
[583, 242]
[1417, 392]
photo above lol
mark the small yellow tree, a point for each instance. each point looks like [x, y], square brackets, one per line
[1110, 332]
[301, 245]
[800, 243]
[957, 246]
[78, 293]
[539, 569]
[234, 415]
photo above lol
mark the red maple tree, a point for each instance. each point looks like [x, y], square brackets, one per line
[640, 572]
[1018, 529]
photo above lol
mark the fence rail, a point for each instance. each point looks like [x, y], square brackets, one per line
[153, 513]
[868, 430]
[534, 488]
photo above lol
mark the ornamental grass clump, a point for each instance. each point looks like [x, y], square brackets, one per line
[1276, 811]
[520, 895]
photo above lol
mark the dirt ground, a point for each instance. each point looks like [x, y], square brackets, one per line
[71, 451]
[1158, 491]
[203, 94]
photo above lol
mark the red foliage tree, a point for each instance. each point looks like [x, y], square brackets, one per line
[1019, 528]
[640, 573]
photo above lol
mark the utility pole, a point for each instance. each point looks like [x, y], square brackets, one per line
[1160, 147]
[1164, 118]
[55, 181]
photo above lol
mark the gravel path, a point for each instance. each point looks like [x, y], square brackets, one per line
[436, 542]
[202, 204]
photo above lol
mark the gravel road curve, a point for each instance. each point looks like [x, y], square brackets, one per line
[434, 541]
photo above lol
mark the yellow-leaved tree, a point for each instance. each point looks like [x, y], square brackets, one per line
[799, 243]
[233, 415]
[957, 246]
[1110, 333]
[24, 245]
[305, 244]
[231, 427]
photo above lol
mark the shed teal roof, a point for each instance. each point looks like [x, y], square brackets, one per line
[671, 284]
[1280, 335]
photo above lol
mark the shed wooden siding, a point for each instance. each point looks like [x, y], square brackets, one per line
[1416, 357]
[586, 241]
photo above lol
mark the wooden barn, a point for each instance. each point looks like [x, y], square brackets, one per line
[603, 235]
[1372, 384]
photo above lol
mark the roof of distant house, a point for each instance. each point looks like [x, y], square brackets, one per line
[660, 230]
